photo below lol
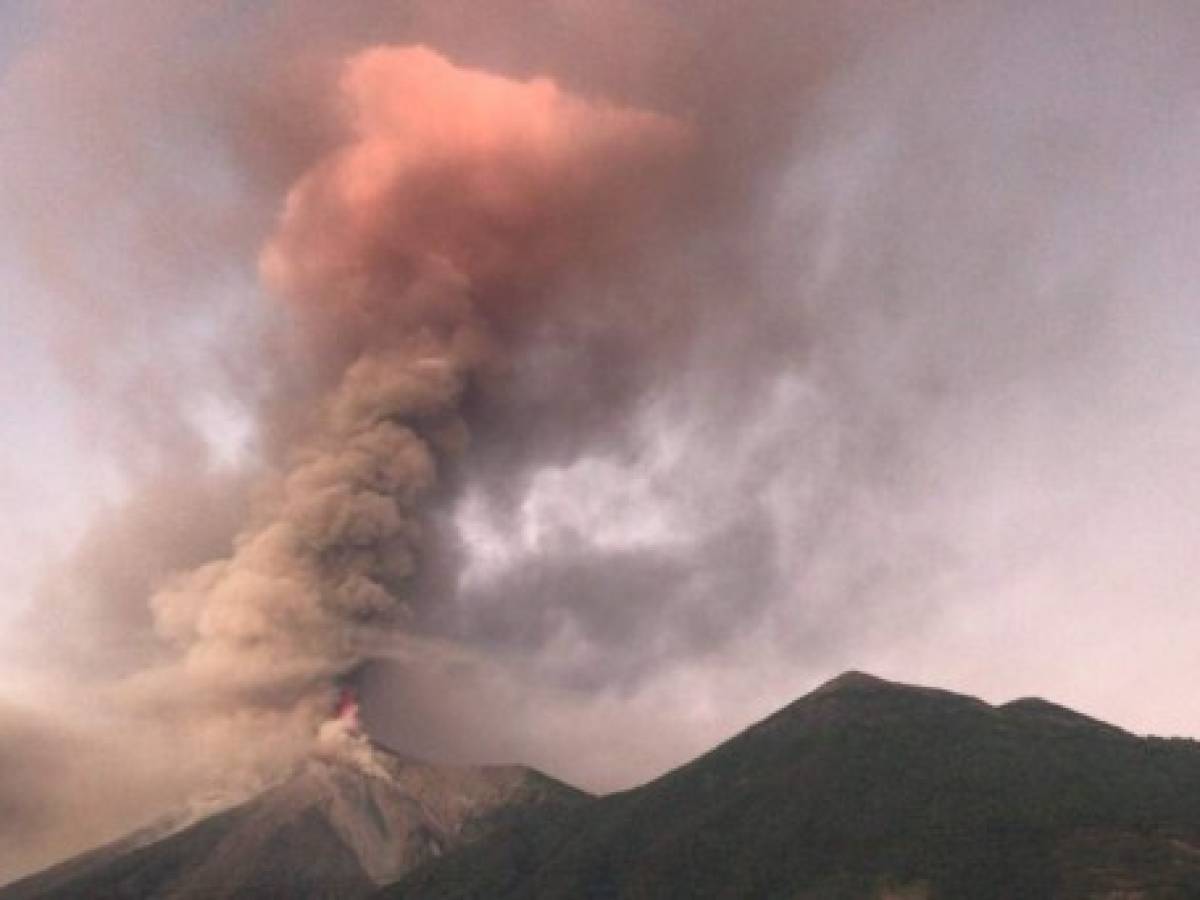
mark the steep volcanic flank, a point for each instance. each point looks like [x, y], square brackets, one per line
[331, 830]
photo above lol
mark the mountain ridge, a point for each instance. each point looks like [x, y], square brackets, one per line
[861, 789]
[866, 788]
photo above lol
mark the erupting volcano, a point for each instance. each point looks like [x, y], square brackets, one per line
[407, 256]
[399, 394]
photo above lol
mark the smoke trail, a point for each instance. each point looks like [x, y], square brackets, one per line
[408, 254]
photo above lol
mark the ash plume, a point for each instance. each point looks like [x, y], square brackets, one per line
[407, 254]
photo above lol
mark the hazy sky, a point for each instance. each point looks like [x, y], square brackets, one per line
[43, 463]
[894, 368]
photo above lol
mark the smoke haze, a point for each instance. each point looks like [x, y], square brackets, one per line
[585, 379]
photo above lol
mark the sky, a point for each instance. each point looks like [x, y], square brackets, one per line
[726, 347]
[28, 414]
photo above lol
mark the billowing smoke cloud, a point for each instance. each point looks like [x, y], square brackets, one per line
[408, 253]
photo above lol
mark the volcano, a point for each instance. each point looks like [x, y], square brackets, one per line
[866, 789]
[863, 789]
[337, 827]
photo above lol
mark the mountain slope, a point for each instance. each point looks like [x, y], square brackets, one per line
[332, 830]
[861, 789]
[866, 788]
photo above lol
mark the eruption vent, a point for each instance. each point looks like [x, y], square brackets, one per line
[346, 709]
[341, 738]
[407, 255]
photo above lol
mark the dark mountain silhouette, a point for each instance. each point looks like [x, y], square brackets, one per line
[861, 789]
[869, 789]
